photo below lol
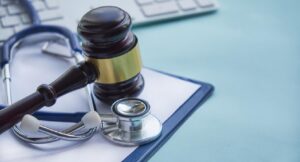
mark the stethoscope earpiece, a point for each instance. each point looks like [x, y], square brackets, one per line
[29, 124]
[91, 120]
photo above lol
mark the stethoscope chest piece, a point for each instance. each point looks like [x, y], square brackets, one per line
[135, 124]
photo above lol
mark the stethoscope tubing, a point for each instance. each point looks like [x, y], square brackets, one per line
[5, 57]
[57, 116]
[35, 29]
[30, 10]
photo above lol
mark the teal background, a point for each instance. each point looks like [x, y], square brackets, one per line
[250, 51]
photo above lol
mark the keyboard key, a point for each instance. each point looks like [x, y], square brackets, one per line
[143, 2]
[205, 3]
[10, 21]
[187, 4]
[5, 33]
[50, 15]
[39, 5]
[160, 8]
[2, 11]
[51, 4]
[25, 19]
[14, 9]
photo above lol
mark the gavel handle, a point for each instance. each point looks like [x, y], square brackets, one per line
[76, 77]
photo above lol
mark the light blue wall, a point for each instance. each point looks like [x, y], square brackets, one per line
[250, 51]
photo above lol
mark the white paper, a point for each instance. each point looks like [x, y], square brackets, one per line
[31, 68]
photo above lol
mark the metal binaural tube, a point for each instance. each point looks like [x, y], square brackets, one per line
[7, 83]
[79, 58]
[67, 134]
[76, 77]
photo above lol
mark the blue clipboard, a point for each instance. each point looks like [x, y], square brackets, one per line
[144, 152]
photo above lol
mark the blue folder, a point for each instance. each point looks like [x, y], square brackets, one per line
[144, 152]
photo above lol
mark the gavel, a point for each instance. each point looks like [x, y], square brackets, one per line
[112, 62]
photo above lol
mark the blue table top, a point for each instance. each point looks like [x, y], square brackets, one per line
[250, 52]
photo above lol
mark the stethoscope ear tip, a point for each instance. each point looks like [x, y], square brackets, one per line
[91, 120]
[29, 124]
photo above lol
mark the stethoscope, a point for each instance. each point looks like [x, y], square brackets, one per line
[130, 122]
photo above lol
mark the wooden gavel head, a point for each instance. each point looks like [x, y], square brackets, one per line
[109, 44]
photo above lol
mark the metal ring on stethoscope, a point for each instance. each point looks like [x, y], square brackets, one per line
[135, 124]
[130, 107]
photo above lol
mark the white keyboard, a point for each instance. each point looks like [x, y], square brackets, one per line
[60, 12]
[13, 18]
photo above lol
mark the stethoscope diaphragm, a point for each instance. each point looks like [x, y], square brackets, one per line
[135, 124]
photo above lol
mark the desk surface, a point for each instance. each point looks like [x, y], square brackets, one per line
[250, 51]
